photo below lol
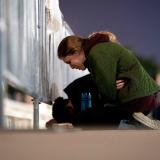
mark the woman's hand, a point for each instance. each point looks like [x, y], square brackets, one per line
[120, 84]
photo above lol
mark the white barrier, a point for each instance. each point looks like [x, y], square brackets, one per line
[30, 33]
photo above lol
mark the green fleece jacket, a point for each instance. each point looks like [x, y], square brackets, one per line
[108, 62]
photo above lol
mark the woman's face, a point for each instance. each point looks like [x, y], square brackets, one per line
[76, 60]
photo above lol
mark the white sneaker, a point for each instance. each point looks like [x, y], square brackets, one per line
[147, 121]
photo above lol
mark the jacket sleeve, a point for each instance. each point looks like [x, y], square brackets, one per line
[102, 63]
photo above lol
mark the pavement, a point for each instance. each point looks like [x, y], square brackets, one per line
[80, 144]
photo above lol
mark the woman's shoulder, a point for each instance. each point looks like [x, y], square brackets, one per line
[105, 45]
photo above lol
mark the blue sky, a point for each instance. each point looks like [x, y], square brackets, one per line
[136, 23]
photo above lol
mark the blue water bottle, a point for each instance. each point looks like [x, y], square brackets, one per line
[83, 101]
[86, 100]
[89, 100]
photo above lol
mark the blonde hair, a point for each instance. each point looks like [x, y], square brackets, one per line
[112, 37]
[69, 45]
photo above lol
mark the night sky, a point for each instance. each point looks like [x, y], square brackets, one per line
[136, 23]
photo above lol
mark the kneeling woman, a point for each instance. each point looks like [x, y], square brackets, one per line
[108, 61]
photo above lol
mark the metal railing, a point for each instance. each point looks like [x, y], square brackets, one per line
[30, 32]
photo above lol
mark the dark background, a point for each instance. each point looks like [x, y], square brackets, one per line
[136, 23]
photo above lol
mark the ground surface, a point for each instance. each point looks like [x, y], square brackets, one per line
[78, 144]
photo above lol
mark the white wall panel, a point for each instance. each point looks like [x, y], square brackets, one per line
[30, 33]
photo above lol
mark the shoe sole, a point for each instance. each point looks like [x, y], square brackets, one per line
[140, 117]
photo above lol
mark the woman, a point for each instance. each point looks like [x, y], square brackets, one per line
[107, 61]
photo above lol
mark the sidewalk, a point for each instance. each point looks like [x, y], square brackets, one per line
[80, 145]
